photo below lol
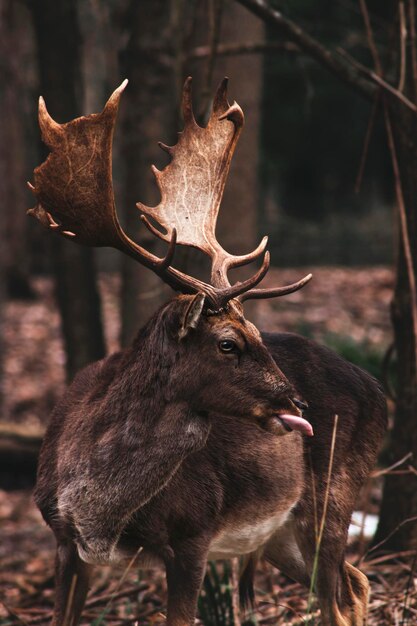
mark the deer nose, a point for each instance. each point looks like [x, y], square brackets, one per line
[300, 404]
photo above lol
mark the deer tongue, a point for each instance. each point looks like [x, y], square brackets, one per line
[295, 422]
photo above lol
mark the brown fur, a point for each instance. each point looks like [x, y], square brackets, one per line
[167, 446]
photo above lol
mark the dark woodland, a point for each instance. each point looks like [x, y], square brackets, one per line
[326, 166]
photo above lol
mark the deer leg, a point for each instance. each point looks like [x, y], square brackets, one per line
[283, 552]
[342, 590]
[71, 585]
[345, 601]
[354, 595]
[185, 573]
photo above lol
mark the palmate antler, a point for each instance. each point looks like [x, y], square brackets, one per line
[75, 197]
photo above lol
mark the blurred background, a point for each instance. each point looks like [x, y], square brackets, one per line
[314, 169]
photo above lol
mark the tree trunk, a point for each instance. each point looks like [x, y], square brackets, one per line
[59, 47]
[148, 116]
[400, 491]
[14, 75]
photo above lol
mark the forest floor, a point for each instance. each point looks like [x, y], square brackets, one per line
[347, 309]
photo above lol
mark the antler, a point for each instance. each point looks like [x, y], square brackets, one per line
[192, 184]
[74, 191]
[75, 197]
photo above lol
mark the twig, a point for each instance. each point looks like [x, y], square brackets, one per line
[235, 49]
[371, 123]
[312, 46]
[287, 607]
[407, 590]
[116, 595]
[370, 37]
[70, 600]
[12, 613]
[378, 80]
[386, 470]
[235, 591]
[397, 175]
[404, 226]
[323, 520]
[313, 490]
[215, 18]
[381, 543]
[403, 40]
[389, 557]
[120, 583]
[367, 140]
[412, 21]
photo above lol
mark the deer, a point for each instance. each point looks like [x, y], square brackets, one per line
[204, 439]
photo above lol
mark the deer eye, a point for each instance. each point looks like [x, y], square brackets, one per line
[227, 345]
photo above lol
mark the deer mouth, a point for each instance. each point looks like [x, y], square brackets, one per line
[290, 423]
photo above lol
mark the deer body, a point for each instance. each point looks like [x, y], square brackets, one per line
[190, 484]
[180, 447]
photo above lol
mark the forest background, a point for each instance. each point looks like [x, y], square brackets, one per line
[325, 167]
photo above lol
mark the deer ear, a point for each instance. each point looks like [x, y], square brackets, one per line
[192, 315]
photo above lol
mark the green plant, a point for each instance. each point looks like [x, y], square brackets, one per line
[215, 604]
[361, 353]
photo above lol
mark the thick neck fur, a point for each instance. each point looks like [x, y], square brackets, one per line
[141, 389]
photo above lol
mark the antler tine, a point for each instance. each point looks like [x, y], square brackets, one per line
[275, 292]
[152, 228]
[228, 293]
[222, 262]
[238, 261]
[167, 260]
[187, 103]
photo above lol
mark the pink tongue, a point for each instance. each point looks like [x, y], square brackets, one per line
[297, 423]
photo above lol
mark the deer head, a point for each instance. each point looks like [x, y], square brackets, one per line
[75, 199]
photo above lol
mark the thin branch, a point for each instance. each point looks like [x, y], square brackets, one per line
[378, 80]
[397, 177]
[403, 41]
[323, 522]
[235, 591]
[413, 48]
[13, 613]
[400, 525]
[362, 79]
[371, 123]
[407, 590]
[235, 49]
[366, 142]
[389, 469]
[370, 36]
[215, 11]
[314, 48]
[404, 225]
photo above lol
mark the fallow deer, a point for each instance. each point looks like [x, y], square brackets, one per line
[174, 445]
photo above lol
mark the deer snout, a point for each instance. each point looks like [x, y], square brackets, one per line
[275, 383]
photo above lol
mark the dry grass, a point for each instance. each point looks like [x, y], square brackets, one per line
[26, 584]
